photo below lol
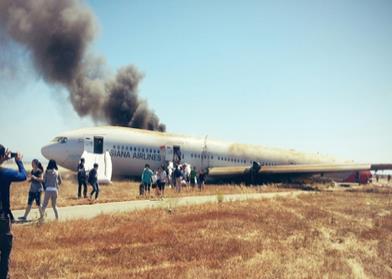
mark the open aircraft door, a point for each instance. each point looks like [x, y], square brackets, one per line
[166, 153]
[104, 162]
[171, 154]
[88, 144]
[94, 144]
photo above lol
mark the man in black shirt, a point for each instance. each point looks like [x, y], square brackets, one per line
[82, 179]
[6, 177]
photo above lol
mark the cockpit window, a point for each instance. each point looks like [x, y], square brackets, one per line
[60, 139]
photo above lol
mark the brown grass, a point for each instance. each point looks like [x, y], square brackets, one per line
[126, 190]
[329, 234]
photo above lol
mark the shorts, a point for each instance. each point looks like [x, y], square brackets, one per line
[34, 196]
[161, 186]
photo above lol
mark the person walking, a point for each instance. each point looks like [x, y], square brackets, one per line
[177, 176]
[93, 180]
[147, 179]
[52, 181]
[36, 188]
[82, 177]
[162, 180]
[7, 176]
[202, 179]
[193, 177]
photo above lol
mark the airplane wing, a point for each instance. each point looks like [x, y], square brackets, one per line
[294, 170]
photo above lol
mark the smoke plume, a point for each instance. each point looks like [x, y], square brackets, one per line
[58, 33]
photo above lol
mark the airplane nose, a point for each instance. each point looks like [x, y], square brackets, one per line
[47, 151]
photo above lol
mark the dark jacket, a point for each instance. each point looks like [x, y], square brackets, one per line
[93, 176]
[81, 172]
[6, 177]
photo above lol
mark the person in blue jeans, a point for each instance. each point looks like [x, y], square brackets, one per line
[82, 179]
[93, 180]
[7, 176]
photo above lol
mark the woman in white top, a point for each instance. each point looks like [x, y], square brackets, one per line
[161, 182]
[52, 181]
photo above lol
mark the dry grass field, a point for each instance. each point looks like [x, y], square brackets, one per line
[340, 234]
[124, 190]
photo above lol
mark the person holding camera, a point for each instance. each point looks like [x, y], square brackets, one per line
[7, 176]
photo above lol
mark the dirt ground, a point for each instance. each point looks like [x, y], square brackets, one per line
[126, 190]
[331, 234]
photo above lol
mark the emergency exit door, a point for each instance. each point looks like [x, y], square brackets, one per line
[98, 145]
[171, 153]
[176, 154]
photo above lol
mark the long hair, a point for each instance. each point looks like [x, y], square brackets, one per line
[38, 164]
[52, 165]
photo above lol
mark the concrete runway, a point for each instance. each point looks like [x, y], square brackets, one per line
[92, 210]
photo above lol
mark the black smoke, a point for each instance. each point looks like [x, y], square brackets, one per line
[57, 34]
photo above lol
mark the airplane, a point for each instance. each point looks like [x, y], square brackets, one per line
[127, 150]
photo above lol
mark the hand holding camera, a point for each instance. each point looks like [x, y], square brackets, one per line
[9, 155]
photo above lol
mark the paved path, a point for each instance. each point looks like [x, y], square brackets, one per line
[93, 210]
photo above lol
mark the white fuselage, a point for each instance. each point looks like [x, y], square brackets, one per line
[131, 149]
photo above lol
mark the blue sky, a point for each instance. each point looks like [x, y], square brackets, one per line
[315, 76]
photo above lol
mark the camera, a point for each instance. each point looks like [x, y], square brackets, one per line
[13, 154]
